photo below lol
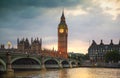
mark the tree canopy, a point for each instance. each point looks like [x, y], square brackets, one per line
[113, 56]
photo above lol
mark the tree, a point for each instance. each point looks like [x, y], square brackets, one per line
[86, 56]
[113, 56]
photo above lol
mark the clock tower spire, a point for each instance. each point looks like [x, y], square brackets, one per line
[62, 37]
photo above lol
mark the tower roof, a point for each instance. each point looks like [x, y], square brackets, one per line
[93, 42]
[111, 43]
[62, 17]
[62, 21]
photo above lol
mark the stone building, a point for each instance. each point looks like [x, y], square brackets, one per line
[97, 51]
[24, 45]
[2, 46]
[62, 37]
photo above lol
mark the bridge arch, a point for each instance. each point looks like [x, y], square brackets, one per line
[51, 63]
[65, 63]
[73, 63]
[33, 58]
[47, 59]
[79, 64]
[26, 63]
[2, 65]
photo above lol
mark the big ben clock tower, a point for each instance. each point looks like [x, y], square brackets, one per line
[62, 37]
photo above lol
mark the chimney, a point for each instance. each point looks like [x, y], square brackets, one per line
[111, 43]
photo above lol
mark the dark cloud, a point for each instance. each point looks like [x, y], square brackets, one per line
[31, 8]
[94, 25]
[40, 18]
[37, 3]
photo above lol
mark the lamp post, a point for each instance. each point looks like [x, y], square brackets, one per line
[9, 70]
[9, 44]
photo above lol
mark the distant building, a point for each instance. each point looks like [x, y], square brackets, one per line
[2, 46]
[97, 51]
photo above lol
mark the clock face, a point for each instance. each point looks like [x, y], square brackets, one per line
[61, 30]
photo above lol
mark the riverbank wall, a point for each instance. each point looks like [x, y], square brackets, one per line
[105, 65]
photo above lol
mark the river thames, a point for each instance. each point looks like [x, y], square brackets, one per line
[71, 73]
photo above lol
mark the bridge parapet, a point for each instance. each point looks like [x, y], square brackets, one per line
[16, 56]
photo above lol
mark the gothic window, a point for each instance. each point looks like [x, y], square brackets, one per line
[101, 49]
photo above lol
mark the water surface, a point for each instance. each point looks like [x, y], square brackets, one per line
[71, 73]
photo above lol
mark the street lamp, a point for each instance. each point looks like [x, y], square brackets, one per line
[9, 44]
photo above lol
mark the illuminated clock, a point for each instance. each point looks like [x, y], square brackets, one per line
[61, 30]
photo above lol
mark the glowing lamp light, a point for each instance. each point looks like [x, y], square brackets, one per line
[9, 44]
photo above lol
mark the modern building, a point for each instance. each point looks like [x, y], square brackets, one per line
[97, 51]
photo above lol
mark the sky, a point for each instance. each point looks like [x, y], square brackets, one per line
[87, 20]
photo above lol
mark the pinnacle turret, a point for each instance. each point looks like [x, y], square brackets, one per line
[62, 17]
[111, 43]
[101, 43]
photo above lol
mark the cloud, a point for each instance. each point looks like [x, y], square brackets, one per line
[32, 8]
[38, 3]
[78, 10]
[95, 25]
[6, 5]
[86, 20]
[111, 7]
[80, 46]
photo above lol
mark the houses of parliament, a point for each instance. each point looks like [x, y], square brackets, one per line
[34, 46]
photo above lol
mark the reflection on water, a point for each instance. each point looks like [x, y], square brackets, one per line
[70, 73]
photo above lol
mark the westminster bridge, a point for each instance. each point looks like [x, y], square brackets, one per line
[17, 61]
